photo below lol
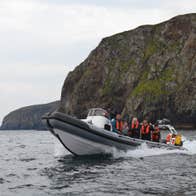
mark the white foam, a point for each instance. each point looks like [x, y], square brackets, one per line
[59, 149]
[141, 151]
[144, 151]
[190, 145]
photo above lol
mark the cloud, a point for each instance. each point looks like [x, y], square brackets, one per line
[28, 85]
[41, 40]
[64, 32]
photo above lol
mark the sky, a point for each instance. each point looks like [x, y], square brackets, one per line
[42, 40]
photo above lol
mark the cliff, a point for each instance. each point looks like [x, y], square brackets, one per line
[28, 117]
[146, 72]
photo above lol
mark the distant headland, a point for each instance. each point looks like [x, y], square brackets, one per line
[28, 117]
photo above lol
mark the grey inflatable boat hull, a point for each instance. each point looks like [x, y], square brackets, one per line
[81, 138]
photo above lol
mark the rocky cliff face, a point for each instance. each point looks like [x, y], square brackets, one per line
[28, 117]
[146, 72]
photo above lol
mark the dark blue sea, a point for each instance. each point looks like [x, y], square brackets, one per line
[34, 163]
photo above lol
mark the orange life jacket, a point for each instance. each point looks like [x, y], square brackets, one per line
[173, 140]
[156, 131]
[145, 130]
[133, 125]
[155, 134]
[119, 125]
[168, 138]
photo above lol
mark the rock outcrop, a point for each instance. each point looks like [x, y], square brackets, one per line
[28, 117]
[146, 72]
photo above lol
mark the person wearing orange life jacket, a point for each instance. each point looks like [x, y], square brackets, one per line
[173, 140]
[156, 133]
[170, 138]
[125, 129]
[145, 130]
[135, 129]
[117, 124]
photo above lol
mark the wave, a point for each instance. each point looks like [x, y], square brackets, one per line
[190, 145]
[141, 151]
[59, 149]
[145, 151]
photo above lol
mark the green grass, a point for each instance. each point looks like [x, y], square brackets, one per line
[155, 87]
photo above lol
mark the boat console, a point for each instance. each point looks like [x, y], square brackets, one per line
[99, 118]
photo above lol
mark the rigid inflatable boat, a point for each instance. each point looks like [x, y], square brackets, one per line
[94, 134]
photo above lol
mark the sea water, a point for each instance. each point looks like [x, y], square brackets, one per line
[34, 163]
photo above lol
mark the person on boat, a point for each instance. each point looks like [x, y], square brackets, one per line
[125, 129]
[174, 139]
[117, 124]
[156, 133]
[170, 138]
[145, 130]
[134, 128]
[178, 140]
[106, 114]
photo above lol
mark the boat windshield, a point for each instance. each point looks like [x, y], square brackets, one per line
[97, 112]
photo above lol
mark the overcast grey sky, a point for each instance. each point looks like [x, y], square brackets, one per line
[42, 40]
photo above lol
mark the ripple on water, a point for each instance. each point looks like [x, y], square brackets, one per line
[11, 175]
[35, 168]
[21, 186]
[21, 146]
[32, 168]
[2, 180]
[27, 159]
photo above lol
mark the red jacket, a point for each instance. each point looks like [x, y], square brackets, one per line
[145, 130]
[119, 125]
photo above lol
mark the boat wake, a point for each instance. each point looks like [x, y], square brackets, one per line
[142, 151]
[190, 145]
[59, 150]
[145, 151]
